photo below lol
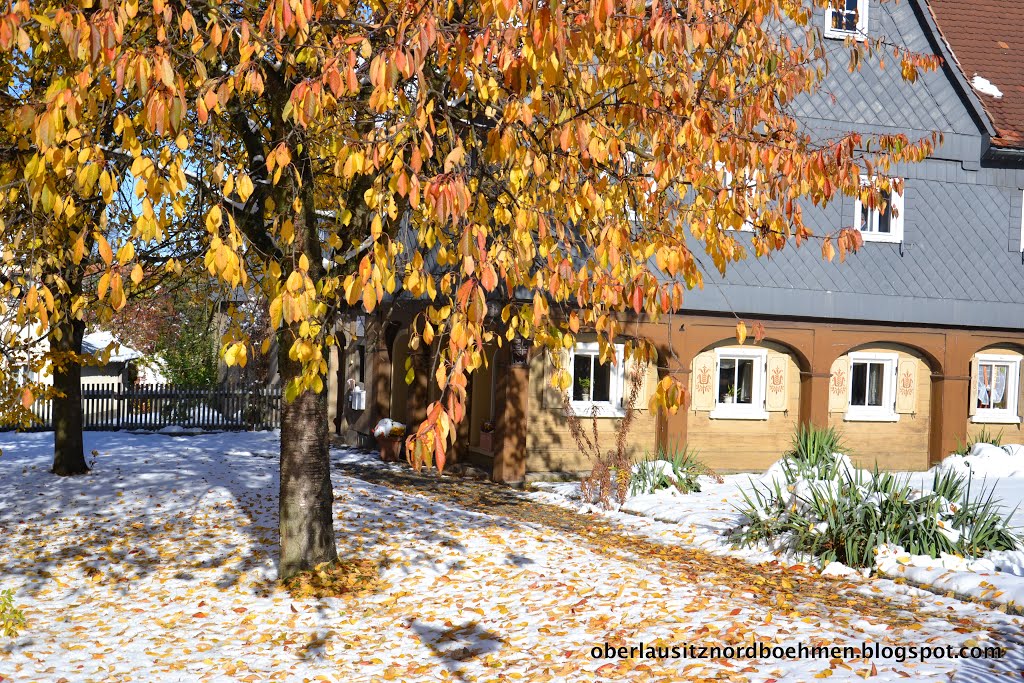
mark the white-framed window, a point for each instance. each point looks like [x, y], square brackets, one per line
[596, 386]
[845, 18]
[996, 398]
[739, 384]
[747, 185]
[1022, 223]
[880, 224]
[873, 387]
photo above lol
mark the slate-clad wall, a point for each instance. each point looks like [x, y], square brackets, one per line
[960, 262]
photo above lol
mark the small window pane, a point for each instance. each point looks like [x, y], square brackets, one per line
[1000, 396]
[858, 384]
[602, 382]
[844, 15]
[581, 377]
[984, 385]
[745, 377]
[885, 217]
[726, 380]
[876, 382]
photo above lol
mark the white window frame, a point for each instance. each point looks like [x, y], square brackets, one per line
[895, 234]
[727, 179]
[755, 410]
[860, 33]
[613, 406]
[1007, 415]
[885, 412]
[1022, 222]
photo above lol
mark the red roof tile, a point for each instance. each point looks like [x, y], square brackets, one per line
[987, 39]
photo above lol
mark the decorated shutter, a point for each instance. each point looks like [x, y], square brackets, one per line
[776, 386]
[906, 386]
[702, 382]
[1020, 391]
[839, 385]
[552, 396]
[627, 384]
[972, 394]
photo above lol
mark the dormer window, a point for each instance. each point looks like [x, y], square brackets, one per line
[846, 18]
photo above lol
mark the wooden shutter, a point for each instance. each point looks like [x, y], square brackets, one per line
[839, 385]
[702, 382]
[972, 397]
[552, 396]
[1020, 391]
[906, 386]
[627, 385]
[776, 385]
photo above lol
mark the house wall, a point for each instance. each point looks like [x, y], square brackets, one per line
[900, 445]
[549, 443]
[744, 445]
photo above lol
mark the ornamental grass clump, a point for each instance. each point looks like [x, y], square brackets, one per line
[827, 508]
[678, 469]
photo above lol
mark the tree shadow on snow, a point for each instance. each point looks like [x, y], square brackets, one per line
[457, 645]
[150, 503]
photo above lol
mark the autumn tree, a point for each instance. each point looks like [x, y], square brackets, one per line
[458, 152]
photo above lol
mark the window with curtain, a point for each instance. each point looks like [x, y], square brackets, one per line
[997, 386]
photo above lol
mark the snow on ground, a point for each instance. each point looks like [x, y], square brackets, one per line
[159, 566]
[712, 514]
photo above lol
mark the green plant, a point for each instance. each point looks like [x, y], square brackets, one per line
[835, 512]
[816, 446]
[12, 619]
[983, 435]
[681, 471]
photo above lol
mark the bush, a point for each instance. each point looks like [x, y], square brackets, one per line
[678, 469]
[982, 436]
[826, 507]
[12, 620]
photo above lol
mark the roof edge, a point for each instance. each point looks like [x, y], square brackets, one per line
[946, 51]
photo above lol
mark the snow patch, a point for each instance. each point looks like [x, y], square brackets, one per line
[986, 87]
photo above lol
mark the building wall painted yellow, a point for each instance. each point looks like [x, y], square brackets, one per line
[747, 445]
[549, 443]
[900, 445]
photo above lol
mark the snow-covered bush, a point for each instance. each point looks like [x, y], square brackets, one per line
[826, 507]
[678, 470]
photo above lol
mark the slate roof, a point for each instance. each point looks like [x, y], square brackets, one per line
[986, 38]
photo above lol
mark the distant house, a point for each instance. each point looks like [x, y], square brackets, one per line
[912, 345]
[122, 366]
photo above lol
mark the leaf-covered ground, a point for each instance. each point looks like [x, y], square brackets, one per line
[159, 567]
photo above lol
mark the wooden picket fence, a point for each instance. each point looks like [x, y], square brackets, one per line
[151, 407]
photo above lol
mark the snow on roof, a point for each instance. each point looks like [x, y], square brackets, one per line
[986, 87]
[97, 342]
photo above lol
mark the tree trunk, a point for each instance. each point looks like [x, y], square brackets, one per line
[68, 447]
[306, 497]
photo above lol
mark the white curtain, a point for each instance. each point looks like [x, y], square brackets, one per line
[985, 372]
[999, 384]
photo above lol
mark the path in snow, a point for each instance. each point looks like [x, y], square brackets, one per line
[159, 567]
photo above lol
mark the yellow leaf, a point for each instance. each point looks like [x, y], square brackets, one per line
[137, 273]
[105, 251]
[741, 332]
